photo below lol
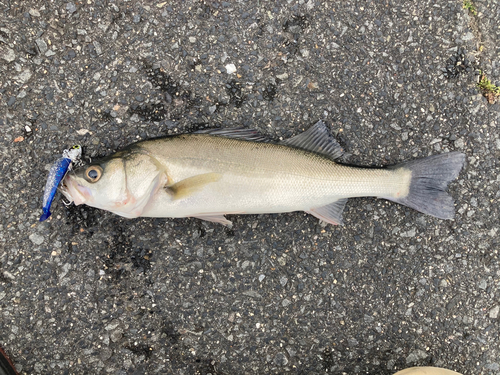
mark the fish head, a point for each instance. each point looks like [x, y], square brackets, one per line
[123, 183]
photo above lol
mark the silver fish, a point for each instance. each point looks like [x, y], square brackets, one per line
[209, 174]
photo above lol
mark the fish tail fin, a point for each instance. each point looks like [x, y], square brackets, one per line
[45, 215]
[429, 179]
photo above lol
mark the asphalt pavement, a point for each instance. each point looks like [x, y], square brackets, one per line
[88, 292]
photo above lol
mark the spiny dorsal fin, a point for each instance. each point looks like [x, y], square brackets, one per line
[237, 133]
[331, 213]
[316, 139]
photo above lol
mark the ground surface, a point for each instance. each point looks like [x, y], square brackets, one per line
[89, 292]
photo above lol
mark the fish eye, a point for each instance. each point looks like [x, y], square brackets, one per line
[93, 173]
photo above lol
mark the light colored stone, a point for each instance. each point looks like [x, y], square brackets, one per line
[230, 68]
[42, 46]
[36, 238]
[416, 355]
[7, 53]
[34, 12]
[494, 312]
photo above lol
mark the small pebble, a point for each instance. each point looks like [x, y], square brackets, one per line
[36, 238]
[82, 131]
[34, 13]
[116, 335]
[459, 143]
[98, 48]
[24, 76]
[230, 68]
[42, 46]
[7, 53]
[415, 356]
[494, 312]
[281, 359]
[71, 8]
[283, 280]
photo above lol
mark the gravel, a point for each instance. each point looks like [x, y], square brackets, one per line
[90, 292]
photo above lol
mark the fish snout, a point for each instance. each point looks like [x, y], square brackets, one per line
[75, 192]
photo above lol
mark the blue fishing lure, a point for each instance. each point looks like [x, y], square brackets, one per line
[56, 175]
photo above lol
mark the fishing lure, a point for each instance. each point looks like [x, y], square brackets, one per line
[56, 175]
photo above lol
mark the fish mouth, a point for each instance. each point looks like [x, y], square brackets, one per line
[74, 192]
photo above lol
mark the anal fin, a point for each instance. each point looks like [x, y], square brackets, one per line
[331, 213]
[191, 185]
[216, 218]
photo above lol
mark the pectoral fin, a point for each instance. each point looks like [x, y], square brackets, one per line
[191, 185]
[331, 213]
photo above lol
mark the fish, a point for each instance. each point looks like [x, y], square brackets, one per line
[212, 173]
[56, 175]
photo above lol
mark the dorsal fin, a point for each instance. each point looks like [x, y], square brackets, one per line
[237, 133]
[316, 139]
